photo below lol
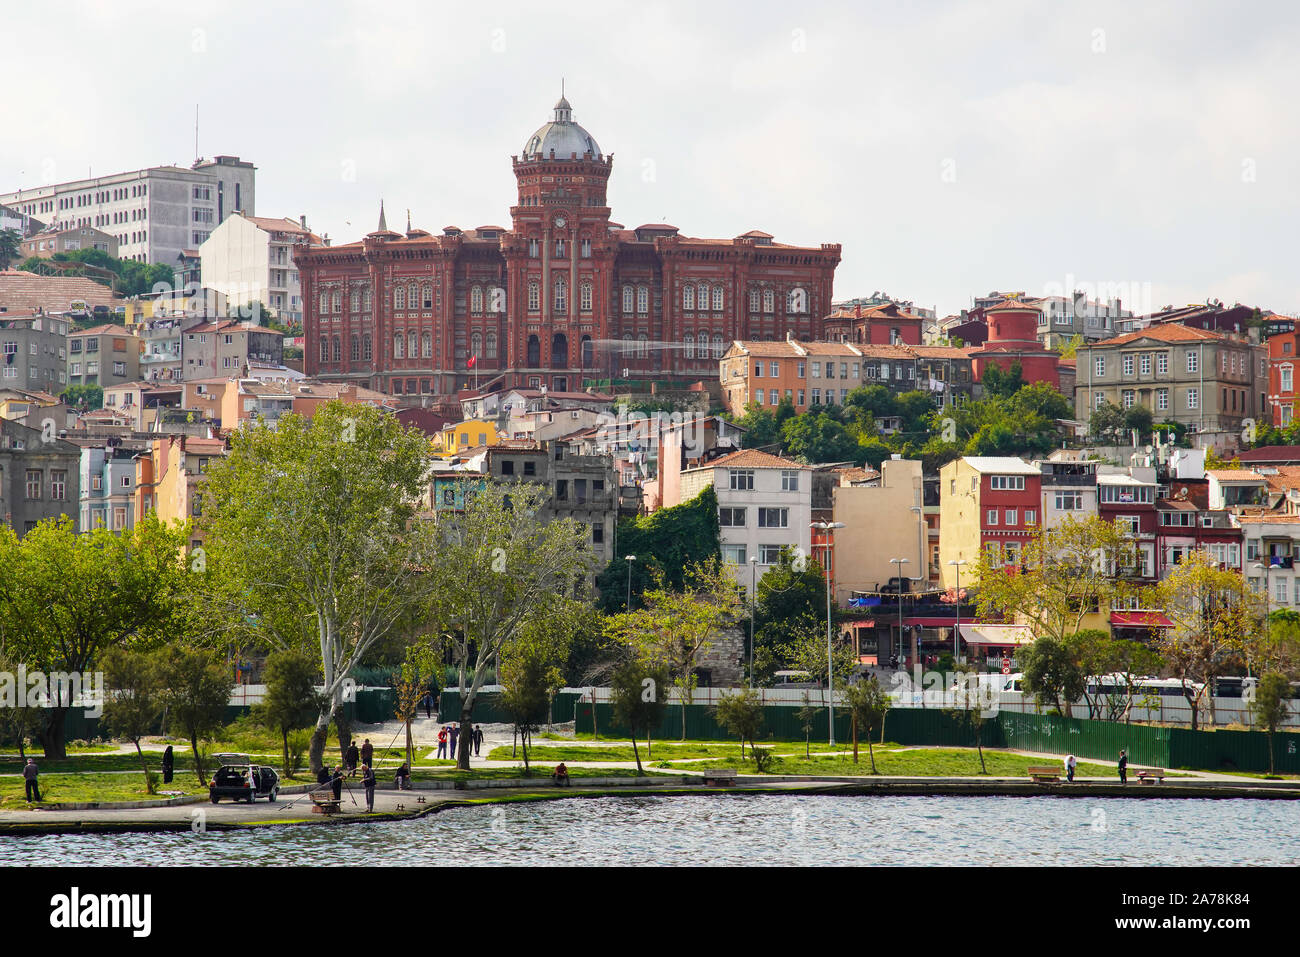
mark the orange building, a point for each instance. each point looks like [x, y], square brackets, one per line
[169, 478]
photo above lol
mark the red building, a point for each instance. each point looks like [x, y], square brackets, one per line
[562, 296]
[1282, 357]
[1013, 336]
[884, 325]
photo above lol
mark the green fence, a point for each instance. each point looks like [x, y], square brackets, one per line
[488, 710]
[1233, 750]
[1086, 739]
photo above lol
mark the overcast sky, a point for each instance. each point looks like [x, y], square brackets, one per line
[1149, 149]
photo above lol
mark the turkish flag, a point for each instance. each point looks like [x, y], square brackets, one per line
[472, 360]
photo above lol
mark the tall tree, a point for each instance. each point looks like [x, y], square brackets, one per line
[529, 670]
[1269, 707]
[133, 706]
[637, 697]
[194, 689]
[66, 598]
[291, 701]
[10, 246]
[312, 523]
[1052, 673]
[741, 713]
[867, 703]
[501, 568]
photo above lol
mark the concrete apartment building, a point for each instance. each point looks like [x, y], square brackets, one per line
[38, 479]
[107, 479]
[764, 505]
[229, 402]
[1061, 318]
[881, 522]
[1208, 381]
[103, 355]
[153, 213]
[989, 504]
[34, 352]
[250, 259]
[225, 347]
[169, 479]
[45, 244]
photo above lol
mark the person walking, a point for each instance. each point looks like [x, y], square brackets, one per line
[368, 782]
[352, 758]
[442, 743]
[428, 705]
[1123, 767]
[455, 735]
[168, 764]
[368, 753]
[478, 739]
[1070, 762]
[30, 771]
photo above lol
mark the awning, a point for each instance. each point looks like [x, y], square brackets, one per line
[928, 622]
[1139, 619]
[1008, 636]
[862, 624]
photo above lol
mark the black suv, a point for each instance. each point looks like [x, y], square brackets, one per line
[240, 779]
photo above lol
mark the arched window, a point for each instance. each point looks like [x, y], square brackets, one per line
[641, 346]
[796, 301]
[561, 295]
[627, 344]
[642, 299]
[588, 352]
[704, 345]
[426, 294]
[491, 352]
[717, 345]
[365, 300]
[337, 302]
[338, 349]
[426, 345]
[534, 359]
[414, 294]
[689, 343]
[476, 300]
[367, 352]
[324, 350]
[354, 301]
[688, 297]
[496, 300]
[476, 344]
[627, 298]
[769, 301]
[534, 296]
[399, 297]
[753, 300]
[559, 351]
[702, 297]
[414, 341]
[356, 347]
[399, 345]
[324, 301]
[584, 302]
[717, 298]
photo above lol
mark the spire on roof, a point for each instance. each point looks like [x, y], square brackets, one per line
[408, 220]
[383, 221]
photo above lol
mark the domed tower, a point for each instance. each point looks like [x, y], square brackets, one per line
[1013, 327]
[561, 164]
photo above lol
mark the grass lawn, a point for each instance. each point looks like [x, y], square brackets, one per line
[660, 751]
[94, 787]
[922, 762]
[541, 771]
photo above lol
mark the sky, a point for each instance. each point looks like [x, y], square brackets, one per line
[1147, 151]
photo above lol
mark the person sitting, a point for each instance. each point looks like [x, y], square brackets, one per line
[403, 778]
[561, 775]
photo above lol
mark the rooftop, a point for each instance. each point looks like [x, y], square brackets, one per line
[1001, 464]
[751, 459]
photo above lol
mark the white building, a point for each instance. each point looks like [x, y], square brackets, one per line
[250, 259]
[1061, 318]
[764, 505]
[155, 213]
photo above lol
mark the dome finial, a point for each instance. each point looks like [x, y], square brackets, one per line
[563, 111]
[383, 221]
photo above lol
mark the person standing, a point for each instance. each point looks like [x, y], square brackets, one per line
[367, 753]
[30, 771]
[368, 782]
[168, 764]
[442, 743]
[478, 739]
[351, 758]
[455, 735]
[1070, 762]
[337, 781]
[428, 705]
[1123, 767]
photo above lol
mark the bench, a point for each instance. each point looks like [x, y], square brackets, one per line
[325, 804]
[1151, 775]
[1044, 774]
[719, 778]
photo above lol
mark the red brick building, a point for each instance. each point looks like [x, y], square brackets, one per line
[1282, 364]
[562, 296]
[1013, 336]
[883, 325]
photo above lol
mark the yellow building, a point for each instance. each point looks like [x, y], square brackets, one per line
[469, 434]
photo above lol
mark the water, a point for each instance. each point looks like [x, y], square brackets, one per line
[732, 830]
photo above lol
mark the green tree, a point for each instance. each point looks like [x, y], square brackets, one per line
[291, 701]
[1138, 419]
[867, 703]
[760, 425]
[637, 698]
[1107, 423]
[66, 598]
[10, 246]
[133, 706]
[807, 715]
[312, 526]
[741, 713]
[1002, 383]
[502, 568]
[1269, 707]
[1051, 673]
[819, 438]
[790, 600]
[410, 684]
[530, 673]
[91, 396]
[194, 690]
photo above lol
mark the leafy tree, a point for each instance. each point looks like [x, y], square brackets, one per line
[1051, 673]
[133, 707]
[90, 396]
[790, 600]
[873, 451]
[311, 525]
[1214, 615]
[870, 402]
[291, 701]
[914, 408]
[1138, 419]
[1107, 423]
[66, 598]
[761, 427]
[194, 691]
[1269, 707]
[807, 651]
[10, 246]
[968, 708]
[867, 703]
[411, 683]
[1279, 646]
[818, 438]
[530, 673]
[501, 569]
[676, 629]
[637, 698]
[1003, 383]
[741, 713]
[1099, 654]
[19, 722]
[807, 715]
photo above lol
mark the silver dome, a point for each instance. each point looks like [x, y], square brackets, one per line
[562, 135]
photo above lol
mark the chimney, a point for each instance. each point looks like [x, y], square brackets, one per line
[302, 217]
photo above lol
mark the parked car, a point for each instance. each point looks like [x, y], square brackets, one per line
[239, 778]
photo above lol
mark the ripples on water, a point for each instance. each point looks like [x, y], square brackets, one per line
[722, 830]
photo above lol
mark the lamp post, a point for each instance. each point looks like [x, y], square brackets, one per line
[630, 559]
[1264, 568]
[830, 660]
[956, 632]
[753, 600]
[900, 562]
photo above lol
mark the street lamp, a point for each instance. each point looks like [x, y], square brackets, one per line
[956, 632]
[753, 600]
[830, 668]
[900, 562]
[630, 559]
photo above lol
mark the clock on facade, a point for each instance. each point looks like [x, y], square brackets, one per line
[560, 221]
